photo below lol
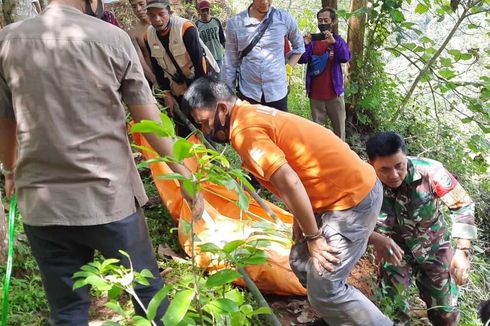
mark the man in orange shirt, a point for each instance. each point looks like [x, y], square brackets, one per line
[334, 196]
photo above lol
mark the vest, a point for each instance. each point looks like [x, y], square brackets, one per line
[177, 47]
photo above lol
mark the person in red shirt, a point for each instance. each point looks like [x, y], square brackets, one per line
[325, 87]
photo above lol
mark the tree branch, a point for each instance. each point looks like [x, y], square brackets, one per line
[430, 63]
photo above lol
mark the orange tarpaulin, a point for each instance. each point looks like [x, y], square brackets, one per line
[223, 222]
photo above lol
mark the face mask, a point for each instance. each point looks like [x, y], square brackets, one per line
[221, 133]
[324, 27]
[99, 11]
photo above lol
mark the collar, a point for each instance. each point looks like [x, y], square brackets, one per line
[62, 7]
[412, 173]
[253, 21]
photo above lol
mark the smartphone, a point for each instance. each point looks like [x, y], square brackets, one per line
[317, 36]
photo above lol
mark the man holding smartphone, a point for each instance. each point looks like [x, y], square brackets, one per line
[325, 52]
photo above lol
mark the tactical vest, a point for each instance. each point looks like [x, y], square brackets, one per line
[177, 47]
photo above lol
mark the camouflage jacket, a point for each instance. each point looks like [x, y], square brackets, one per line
[411, 214]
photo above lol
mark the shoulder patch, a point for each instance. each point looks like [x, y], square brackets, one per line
[443, 182]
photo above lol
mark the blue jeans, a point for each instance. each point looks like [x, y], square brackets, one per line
[60, 251]
[337, 302]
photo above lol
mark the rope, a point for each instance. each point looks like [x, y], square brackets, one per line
[11, 221]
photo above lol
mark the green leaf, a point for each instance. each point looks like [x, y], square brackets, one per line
[189, 187]
[232, 245]
[262, 311]
[111, 323]
[467, 120]
[115, 292]
[81, 274]
[178, 307]
[79, 284]
[98, 283]
[446, 62]
[447, 73]
[187, 321]
[397, 16]
[479, 144]
[107, 262]
[236, 296]
[140, 321]
[156, 301]
[89, 268]
[421, 9]
[222, 305]
[115, 306]
[182, 149]
[167, 125]
[148, 127]
[146, 273]
[141, 280]
[222, 277]
[247, 309]
[243, 200]
[209, 247]
[171, 176]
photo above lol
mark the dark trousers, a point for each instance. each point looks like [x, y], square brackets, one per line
[281, 104]
[60, 251]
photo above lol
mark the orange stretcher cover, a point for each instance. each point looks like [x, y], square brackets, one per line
[222, 223]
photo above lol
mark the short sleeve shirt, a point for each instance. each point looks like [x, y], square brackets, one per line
[64, 77]
[334, 177]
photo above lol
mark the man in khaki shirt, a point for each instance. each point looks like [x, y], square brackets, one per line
[63, 79]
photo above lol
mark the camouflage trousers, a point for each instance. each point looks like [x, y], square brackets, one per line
[435, 284]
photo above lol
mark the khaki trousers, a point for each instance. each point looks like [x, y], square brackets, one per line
[335, 109]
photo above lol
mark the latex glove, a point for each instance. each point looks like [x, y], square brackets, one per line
[460, 267]
[388, 250]
[322, 255]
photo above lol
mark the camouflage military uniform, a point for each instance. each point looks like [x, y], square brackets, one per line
[411, 216]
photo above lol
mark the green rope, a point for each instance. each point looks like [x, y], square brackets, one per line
[11, 220]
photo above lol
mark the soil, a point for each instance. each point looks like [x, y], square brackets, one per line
[297, 311]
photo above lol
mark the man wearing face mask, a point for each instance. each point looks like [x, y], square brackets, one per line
[64, 149]
[334, 196]
[324, 79]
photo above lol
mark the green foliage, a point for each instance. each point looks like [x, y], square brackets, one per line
[27, 302]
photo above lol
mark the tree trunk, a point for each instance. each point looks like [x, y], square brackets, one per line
[17, 10]
[43, 4]
[355, 41]
[329, 3]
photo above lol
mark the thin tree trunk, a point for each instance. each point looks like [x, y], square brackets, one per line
[329, 3]
[43, 4]
[17, 10]
[429, 63]
[355, 41]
